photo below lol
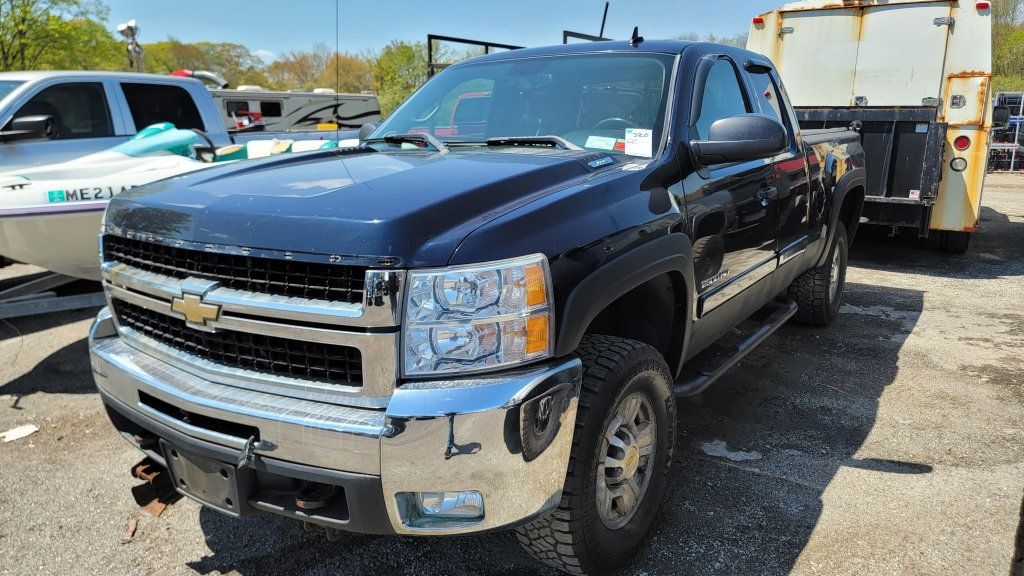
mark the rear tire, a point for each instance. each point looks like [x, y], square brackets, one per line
[621, 456]
[818, 292]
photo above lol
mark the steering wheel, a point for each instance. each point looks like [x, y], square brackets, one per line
[204, 136]
[613, 123]
[208, 156]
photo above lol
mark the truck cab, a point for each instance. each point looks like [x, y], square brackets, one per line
[49, 117]
[441, 332]
[93, 111]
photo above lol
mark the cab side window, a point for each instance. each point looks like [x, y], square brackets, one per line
[154, 103]
[78, 109]
[723, 97]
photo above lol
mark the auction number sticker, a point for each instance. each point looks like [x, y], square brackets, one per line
[640, 142]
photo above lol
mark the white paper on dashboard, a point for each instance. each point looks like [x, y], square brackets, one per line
[600, 142]
[639, 142]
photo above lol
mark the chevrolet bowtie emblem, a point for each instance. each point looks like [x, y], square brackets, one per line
[194, 309]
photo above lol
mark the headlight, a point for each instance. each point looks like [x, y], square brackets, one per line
[479, 317]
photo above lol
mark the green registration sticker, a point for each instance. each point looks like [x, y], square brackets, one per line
[56, 196]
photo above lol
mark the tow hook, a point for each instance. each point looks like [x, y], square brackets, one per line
[157, 493]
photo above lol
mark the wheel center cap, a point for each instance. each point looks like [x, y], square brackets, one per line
[631, 461]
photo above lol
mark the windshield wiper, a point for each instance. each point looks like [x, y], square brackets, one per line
[411, 137]
[553, 141]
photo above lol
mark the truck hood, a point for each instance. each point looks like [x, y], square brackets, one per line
[410, 207]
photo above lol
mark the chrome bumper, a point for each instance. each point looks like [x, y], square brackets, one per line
[507, 436]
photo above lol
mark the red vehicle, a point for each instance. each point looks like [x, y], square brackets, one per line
[469, 115]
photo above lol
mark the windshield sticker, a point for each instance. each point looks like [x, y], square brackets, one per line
[600, 142]
[639, 142]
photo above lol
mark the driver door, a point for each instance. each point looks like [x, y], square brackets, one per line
[81, 113]
[731, 207]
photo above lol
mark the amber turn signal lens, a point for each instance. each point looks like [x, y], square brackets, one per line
[536, 291]
[537, 334]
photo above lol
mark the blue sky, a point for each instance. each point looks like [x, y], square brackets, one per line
[270, 27]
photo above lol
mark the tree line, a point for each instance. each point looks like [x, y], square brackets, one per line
[73, 34]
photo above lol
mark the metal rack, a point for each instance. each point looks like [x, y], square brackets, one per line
[1006, 153]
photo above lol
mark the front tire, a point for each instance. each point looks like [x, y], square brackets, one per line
[618, 469]
[818, 292]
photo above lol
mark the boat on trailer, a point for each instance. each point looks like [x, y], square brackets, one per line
[50, 216]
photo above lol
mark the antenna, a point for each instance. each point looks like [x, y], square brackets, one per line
[337, 62]
[637, 38]
[604, 19]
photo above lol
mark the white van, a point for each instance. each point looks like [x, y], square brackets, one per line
[917, 75]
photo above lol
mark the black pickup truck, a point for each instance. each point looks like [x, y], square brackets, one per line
[453, 329]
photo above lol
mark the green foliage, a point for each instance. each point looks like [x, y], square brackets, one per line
[1007, 46]
[398, 71]
[232, 61]
[322, 68]
[49, 34]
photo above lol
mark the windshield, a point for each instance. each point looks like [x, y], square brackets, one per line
[606, 102]
[8, 86]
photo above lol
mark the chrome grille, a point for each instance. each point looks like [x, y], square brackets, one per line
[260, 353]
[327, 282]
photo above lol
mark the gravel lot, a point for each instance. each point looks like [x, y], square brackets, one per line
[891, 443]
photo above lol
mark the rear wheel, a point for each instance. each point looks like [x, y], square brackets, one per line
[618, 469]
[819, 291]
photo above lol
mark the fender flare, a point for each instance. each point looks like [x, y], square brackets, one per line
[616, 277]
[852, 179]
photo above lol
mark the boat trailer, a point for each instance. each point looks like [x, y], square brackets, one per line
[36, 295]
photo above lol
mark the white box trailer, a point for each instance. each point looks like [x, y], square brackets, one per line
[917, 75]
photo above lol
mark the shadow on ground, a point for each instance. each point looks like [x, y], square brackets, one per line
[996, 251]
[66, 371]
[804, 403]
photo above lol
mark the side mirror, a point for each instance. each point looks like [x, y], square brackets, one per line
[1001, 117]
[741, 138]
[365, 130]
[31, 128]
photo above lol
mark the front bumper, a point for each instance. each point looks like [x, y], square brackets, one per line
[484, 433]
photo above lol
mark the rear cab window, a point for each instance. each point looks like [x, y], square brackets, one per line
[154, 103]
[78, 109]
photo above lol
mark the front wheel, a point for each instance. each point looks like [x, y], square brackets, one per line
[818, 292]
[618, 469]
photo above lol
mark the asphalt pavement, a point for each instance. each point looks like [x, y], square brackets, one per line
[889, 443]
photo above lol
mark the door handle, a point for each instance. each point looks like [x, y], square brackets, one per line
[766, 194]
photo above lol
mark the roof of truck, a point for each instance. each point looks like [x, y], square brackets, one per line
[662, 46]
[29, 76]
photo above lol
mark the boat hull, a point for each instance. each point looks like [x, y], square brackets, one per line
[65, 242]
